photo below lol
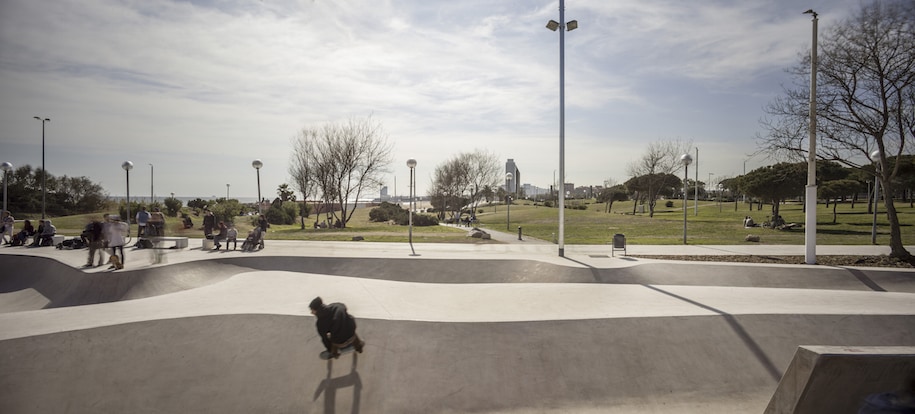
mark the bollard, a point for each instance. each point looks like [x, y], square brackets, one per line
[519, 232]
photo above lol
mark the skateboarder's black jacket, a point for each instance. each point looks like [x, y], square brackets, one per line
[334, 319]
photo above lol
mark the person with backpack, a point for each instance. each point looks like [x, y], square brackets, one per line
[96, 241]
[142, 220]
[336, 327]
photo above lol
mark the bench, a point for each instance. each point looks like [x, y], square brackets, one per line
[58, 239]
[180, 242]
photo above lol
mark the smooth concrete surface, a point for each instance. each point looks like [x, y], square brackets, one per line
[832, 379]
[505, 328]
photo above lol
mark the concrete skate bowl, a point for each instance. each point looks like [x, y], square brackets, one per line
[31, 283]
[269, 363]
[45, 283]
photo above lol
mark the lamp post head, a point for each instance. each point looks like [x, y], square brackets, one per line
[686, 159]
[6, 167]
[411, 163]
[509, 176]
[810, 11]
[552, 25]
[127, 165]
[257, 164]
[875, 156]
[571, 25]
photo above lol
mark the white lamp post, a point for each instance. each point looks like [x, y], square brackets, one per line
[44, 172]
[411, 163]
[508, 201]
[127, 166]
[875, 156]
[152, 194]
[257, 164]
[569, 26]
[227, 192]
[686, 159]
[810, 200]
[6, 167]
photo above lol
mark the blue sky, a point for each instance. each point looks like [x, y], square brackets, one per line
[199, 89]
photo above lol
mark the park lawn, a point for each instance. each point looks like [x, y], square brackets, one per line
[714, 224]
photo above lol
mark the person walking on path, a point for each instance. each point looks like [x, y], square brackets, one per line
[115, 233]
[336, 327]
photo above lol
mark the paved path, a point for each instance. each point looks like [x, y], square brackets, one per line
[458, 328]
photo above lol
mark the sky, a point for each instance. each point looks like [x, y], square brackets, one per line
[199, 89]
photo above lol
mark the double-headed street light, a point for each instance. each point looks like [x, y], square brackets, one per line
[257, 164]
[127, 166]
[6, 167]
[411, 163]
[569, 26]
[44, 172]
[686, 159]
[810, 199]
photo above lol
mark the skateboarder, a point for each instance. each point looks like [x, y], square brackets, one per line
[336, 327]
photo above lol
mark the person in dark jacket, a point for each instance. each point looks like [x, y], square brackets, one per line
[336, 327]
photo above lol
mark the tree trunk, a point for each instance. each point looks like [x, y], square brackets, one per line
[836, 203]
[897, 249]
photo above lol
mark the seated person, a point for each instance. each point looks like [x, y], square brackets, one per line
[748, 222]
[45, 237]
[27, 231]
[232, 237]
[221, 236]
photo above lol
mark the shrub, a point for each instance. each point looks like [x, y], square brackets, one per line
[669, 204]
[282, 213]
[420, 220]
[388, 211]
[548, 203]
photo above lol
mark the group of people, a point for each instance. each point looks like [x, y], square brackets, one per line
[228, 234]
[42, 236]
[110, 233]
[150, 224]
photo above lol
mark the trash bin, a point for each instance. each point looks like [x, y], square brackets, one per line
[619, 243]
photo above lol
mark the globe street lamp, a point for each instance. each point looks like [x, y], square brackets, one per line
[569, 26]
[127, 166]
[686, 159]
[411, 163]
[44, 172]
[6, 167]
[508, 200]
[257, 164]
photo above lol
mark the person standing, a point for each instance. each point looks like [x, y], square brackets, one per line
[209, 223]
[263, 225]
[116, 233]
[7, 222]
[336, 327]
[156, 224]
[142, 221]
[96, 241]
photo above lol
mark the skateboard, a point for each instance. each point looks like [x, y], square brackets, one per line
[343, 351]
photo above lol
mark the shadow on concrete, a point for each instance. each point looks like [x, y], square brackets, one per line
[742, 333]
[330, 385]
[867, 281]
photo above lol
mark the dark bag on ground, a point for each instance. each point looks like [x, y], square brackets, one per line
[71, 244]
[144, 244]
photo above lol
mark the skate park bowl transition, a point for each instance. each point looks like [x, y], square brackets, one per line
[504, 336]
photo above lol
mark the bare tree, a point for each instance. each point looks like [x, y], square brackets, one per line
[865, 99]
[466, 179]
[660, 159]
[342, 160]
[300, 168]
[483, 172]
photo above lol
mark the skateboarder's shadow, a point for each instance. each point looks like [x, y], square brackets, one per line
[329, 387]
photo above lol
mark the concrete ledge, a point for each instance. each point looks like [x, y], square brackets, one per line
[180, 242]
[833, 379]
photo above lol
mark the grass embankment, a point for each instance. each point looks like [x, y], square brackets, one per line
[714, 224]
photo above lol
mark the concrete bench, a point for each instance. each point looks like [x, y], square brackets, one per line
[180, 242]
[208, 244]
[58, 239]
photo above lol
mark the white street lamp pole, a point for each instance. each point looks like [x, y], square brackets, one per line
[227, 192]
[569, 26]
[6, 167]
[810, 200]
[877, 171]
[686, 159]
[257, 164]
[411, 163]
[127, 166]
[696, 191]
[44, 172]
[152, 194]
[508, 201]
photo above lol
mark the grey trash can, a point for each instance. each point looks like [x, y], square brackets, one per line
[619, 243]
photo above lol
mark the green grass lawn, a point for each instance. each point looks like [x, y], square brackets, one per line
[713, 225]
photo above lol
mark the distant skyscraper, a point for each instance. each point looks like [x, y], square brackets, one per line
[384, 193]
[511, 186]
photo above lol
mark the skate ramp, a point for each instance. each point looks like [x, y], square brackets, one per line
[269, 363]
[832, 379]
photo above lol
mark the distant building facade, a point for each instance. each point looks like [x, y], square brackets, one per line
[511, 185]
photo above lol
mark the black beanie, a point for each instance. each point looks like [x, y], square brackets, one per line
[316, 303]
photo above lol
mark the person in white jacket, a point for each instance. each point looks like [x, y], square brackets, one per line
[116, 233]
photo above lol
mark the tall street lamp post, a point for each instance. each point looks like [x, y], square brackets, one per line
[686, 159]
[44, 172]
[257, 164]
[810, 199]
[6, 167]
[562, 27]
[127, 166]
[508, 200]
[152, 194]
[227, 192]
[875, 156]
[696, 189]
[411, 163]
